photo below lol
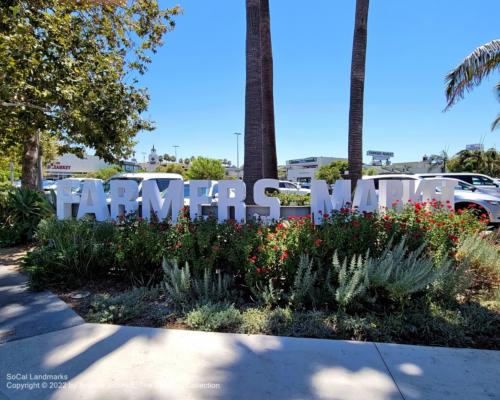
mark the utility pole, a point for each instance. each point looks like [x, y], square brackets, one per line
[238, 134]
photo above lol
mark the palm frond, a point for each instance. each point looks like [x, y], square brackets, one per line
[471, 71]
[496, 123]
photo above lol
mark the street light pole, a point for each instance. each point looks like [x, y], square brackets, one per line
[238, 134]
[175, 151]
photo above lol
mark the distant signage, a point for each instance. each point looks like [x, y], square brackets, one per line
[474, 147]
[59, 166]
[385, 154]
[303, 160]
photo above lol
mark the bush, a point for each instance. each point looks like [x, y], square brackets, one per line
[292, 199]
[71, 252]
[214, 317]
[123, 307]
[185, 290]
[482, 256]
[21, 210]
[263, 262]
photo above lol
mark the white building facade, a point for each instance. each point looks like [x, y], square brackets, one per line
[69, 165]
[303, 170]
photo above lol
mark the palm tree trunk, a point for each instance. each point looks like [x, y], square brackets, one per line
[269, 142]
[355, 150]
[253, 160]
[29, 161]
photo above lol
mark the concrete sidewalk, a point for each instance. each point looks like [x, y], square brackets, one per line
[76, 360]
[92, 361]
[24, 313]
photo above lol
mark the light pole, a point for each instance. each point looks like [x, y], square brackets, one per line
[238, 134]
[175, 151]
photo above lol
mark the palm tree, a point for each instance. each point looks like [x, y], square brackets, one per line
[471, 71]
[260, 145]
[269, 142]
[355, 149]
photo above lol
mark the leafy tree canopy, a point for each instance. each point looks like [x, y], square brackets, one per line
[70, 68]
[105, 173]
[205, 168]
[174, 168]
[482, 162]
[333, 171]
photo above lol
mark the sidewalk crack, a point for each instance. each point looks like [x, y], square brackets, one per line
[388, 370]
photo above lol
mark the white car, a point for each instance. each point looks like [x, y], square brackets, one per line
[482, 182]
[466, 195]
[294, 188]
[162, 179]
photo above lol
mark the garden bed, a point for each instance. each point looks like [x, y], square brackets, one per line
[422, 276]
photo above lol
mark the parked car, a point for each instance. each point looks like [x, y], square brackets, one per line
[482, 182]
[291, 187]
[466, 195]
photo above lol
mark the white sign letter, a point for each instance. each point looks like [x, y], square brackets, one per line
[93, 200]
[232, 193]
[171, 204]
[197, 196]
[365, 197]
[260, 198]
[390, 194]
[66, 198]
[124, 194]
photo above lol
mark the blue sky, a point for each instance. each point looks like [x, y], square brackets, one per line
[197, 79]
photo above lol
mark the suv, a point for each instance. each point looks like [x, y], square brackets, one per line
[482, 182]
[466, 195]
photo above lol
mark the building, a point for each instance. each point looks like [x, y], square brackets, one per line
[69, 165]
[428, 164]
[303, 170]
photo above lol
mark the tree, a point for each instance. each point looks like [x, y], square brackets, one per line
[478, 161]
[358, 63]
[260, 147]
[70, 69]
[205, 168]
[105, 173]
[333, 171]
[470, 73]
[172, 168]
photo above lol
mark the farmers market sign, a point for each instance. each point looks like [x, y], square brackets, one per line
[123, 197]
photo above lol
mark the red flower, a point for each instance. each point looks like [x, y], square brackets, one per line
[355, 223]
[318, 242]
[284, 256]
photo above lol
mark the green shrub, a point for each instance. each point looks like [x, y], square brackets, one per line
[482, 256]
[292, 199]
[20, 213]
[303, 285]
[350, 279]
[214, 317]
[123, 307]
[400, 272]
[139, 250]
[186, 290]
[71, 252]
